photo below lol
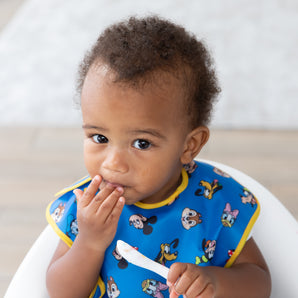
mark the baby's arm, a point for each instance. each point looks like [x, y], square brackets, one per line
[73, 272]
[247, 277]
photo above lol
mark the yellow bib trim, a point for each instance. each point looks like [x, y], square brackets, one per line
[171, 198]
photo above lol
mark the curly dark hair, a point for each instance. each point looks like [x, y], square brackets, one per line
[137, 48]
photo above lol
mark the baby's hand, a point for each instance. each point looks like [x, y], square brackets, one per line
[190, 281]
[98, 214]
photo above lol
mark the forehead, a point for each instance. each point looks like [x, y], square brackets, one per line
[161, 82]
[161, 94]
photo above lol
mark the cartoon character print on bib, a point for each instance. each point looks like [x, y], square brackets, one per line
[206, 224]
[154, 288]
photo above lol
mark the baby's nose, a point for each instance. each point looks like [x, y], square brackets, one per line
[115, 161]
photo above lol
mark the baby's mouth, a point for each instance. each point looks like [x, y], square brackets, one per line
[113, 184]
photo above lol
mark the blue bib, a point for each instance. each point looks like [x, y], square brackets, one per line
[206, 221]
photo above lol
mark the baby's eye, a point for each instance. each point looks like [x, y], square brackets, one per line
[141, 144]
[100, 139]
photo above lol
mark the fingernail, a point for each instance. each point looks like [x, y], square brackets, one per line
[119, 189]
[96, 178]
[110, 186]
[75, 192]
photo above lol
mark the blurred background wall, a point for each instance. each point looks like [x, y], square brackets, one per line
[254, 44]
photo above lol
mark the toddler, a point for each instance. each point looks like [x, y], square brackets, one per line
[147, 89]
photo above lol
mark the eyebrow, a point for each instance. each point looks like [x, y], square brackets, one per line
[148, 131]
[88, 126]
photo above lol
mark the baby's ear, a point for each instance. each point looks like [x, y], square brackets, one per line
[194, 142]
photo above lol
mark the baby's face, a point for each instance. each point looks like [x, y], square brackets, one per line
[134, 138]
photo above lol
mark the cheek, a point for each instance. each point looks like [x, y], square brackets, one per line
[144, 173]
[91, 159]
[155, 174]
[147, 177]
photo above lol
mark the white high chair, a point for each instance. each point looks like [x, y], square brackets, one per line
[276, 233]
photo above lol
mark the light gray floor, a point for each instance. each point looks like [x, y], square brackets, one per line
[37, 162]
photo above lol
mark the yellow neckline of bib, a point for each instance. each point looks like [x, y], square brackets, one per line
[171, 198]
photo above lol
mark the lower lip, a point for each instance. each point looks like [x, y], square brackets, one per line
[113, 184]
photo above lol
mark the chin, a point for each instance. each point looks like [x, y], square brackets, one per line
[129, 203]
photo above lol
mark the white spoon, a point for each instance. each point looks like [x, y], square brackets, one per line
[138, 259]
